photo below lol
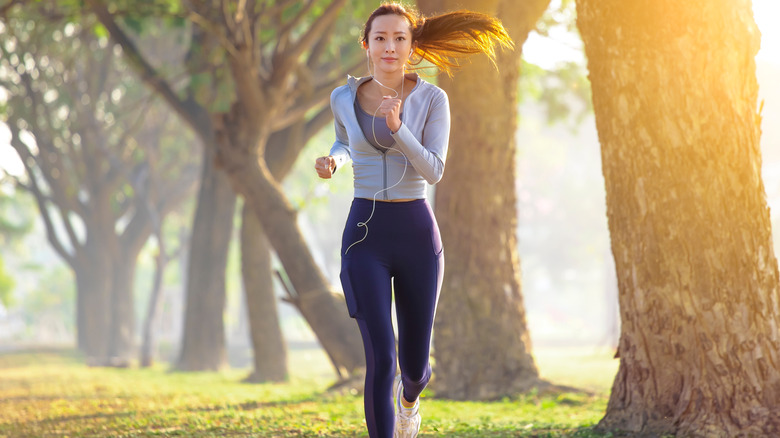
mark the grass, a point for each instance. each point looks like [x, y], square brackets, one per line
[53, 394]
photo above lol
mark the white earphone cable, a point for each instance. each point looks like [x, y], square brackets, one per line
[406, 160]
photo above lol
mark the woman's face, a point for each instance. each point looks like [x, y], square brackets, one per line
[389, 43]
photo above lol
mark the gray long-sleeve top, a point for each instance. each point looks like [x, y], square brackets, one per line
[423, 138]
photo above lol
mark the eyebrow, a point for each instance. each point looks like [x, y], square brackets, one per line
[381, 31]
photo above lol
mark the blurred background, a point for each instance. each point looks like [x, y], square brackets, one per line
[568, 279]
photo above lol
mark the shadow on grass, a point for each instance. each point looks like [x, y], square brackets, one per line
[254, 405]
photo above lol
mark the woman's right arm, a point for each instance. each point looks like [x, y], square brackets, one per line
[339, 153]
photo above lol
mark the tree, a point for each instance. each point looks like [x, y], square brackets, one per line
[74, 119]
[675, 92]
[270, 352]
[481, 330]
[270, 60]
[15, 222]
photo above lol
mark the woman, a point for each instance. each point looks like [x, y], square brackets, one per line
[395, 128]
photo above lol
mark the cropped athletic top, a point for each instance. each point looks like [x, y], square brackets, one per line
[423, 138]
[375, 129]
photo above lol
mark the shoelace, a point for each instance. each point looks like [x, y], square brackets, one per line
[406, 420]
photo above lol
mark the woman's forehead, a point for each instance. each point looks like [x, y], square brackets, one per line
[390, 23]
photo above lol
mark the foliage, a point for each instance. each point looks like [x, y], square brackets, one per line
[50, 392]
[6, 286]
[50, 307]
[207, 75]
[16, 221]
[16, 217]
[84, 126]
[564, 89]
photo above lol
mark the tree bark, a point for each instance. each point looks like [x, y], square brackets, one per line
[323, 309]
[122, 328]
[270, 352]
[203, 344]
[151, 322]
[93, 305]
[481, 330]
[675, 92]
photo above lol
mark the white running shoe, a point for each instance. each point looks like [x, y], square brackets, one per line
[407, 420]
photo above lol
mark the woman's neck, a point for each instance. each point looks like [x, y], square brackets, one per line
[393, 80]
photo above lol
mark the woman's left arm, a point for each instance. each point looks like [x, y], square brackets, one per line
[428, 157]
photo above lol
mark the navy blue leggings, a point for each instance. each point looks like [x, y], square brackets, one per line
[403, 247]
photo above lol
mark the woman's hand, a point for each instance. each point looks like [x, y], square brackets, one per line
[325, 166]
[391, 109]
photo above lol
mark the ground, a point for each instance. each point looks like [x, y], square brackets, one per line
[51, 393]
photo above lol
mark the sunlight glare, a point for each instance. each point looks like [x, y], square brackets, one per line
[766, 13]
[9, 160]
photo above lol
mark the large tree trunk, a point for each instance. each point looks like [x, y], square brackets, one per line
[93, 287]
[675, 92]
[203, 344]
[481, 329]
[94, 284]
[241, 146]
[270, 352]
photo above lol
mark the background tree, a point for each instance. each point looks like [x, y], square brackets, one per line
[272, 62]
[269, 350]
[74, 119]
[481, 329]
[675, 92]
[15, 222]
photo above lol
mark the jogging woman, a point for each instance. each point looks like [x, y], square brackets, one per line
[395, 128]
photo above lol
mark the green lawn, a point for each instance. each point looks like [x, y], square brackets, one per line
[53, 394]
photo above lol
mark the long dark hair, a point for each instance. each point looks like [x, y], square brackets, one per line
[443, 39]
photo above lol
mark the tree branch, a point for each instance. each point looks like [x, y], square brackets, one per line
[317, 100]
[319, 97]
[285, 61]
[290, 25]
[49, 158]
[207, 25]
[118, 174]
[276, 8]
[316, 123]
[5, 8]
[51, 233]
[196, 117]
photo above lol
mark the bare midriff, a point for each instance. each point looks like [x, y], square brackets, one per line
[394, 200]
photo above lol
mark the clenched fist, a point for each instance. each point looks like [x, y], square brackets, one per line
[325, 166]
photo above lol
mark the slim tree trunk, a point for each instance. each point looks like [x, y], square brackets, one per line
[675, 92]
[203, 343]
[270, 352]
[151, 322]
[122, 339]
[481, 339]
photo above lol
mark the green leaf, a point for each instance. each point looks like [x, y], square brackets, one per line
[100, 31]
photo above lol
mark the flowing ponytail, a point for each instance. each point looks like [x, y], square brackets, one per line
[444, 39]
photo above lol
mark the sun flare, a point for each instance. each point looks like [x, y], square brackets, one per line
[766, 13]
